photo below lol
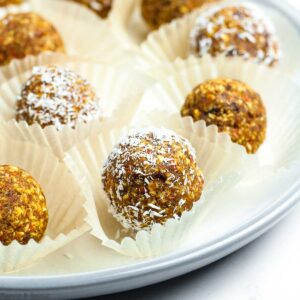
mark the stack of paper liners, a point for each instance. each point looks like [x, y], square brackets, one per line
[278, 92]
[82, 31]
[65, 206]
[119, 92]
[216, 155]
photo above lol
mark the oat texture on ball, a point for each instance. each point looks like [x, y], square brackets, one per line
[100, 7]
[25, 34]
[23, 210]
[231, 105]
[56, 96]
[235, 31]
[10, 2]
[151, 176]
[158, 12]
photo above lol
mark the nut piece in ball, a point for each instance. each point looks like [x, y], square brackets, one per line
[158, 12]
[25, 34]
[232, 106]
[56, 96]
[23, 210]
[151, 176]
[100, 7]
[235, 31]
[10, 2]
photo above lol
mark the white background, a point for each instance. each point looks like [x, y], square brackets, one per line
[267, 269]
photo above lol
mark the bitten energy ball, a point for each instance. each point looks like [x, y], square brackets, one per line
[10, 2]
[158, 12]
[232, 106]
[151, 176]
[25, 34]
[235, 31]
[100, 7]
[23, 211]
[56, 96]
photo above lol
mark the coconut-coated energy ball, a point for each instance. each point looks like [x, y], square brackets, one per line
[100, 7]
[158, 12]
[10, 2]
[151, 176]
[235, 31]
[56, 96]
[25, 34]
[23, 210]
[231, 105]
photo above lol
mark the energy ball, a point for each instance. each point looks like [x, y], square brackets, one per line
[25, 34]
[23, 210]
[100, 7]
[10, 2]
[56, 96]
[235, 31]
[158, 12]
[232, 106]
[151, 176]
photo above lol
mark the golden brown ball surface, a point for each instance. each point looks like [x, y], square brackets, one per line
[232, 106]
[10, 2]
[151, 176]
[235, 31]
[23, 210]
[100, 7]
[158, 12]
[56, 96]
[25, 34]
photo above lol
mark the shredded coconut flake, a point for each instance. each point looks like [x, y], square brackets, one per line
[150, 147]
[57, 96]
[211, 30]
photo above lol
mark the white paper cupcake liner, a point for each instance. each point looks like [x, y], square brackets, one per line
[81, 30]
[173, 40]
[18, 66]
[64, 197]
[120, 19]
[279, 94]
[216, 155]
[128, 23]
[119, 92]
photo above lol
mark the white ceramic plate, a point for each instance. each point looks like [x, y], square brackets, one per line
[69, 274]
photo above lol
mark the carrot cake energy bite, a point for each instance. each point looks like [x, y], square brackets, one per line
[23, 210]
[56, 96]
[232, 106]
[151, 176]
[100, 7]
[235, 31]
[158, 12]
[25, 34]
